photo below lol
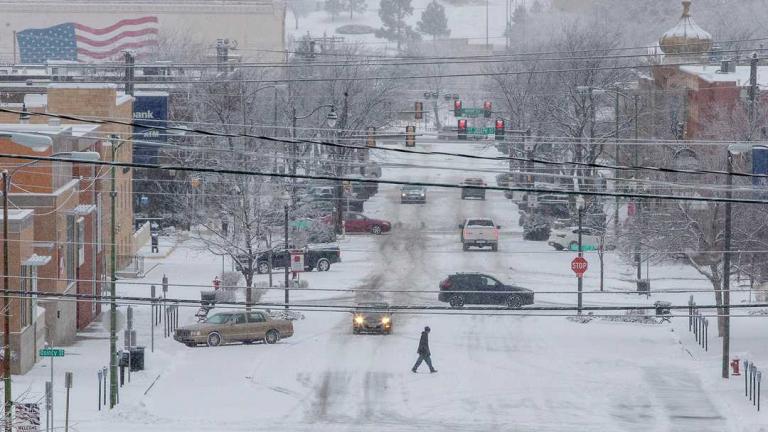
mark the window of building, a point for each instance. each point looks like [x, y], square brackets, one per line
[80, 241]
[70, 254]
[27, 303]
[99, 223]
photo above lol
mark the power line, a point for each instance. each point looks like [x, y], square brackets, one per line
[379, 181]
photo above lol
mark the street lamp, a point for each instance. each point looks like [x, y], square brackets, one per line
[580, 207]
[732, 150]
[617, 93]
[286, 197]
[37, 143]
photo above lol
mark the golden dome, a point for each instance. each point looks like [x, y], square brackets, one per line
[686, 37]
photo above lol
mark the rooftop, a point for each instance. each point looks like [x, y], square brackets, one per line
[712, 74]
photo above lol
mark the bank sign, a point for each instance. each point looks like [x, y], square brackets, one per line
[150, 111]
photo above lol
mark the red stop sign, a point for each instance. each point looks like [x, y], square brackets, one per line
[579, 266]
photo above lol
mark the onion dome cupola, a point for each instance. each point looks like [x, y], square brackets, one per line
[686, 37]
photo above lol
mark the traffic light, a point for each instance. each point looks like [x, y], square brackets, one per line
[487, 109]
[410, 136]
[462, 129]
[499, 129]
[419, 110]
[457, 110]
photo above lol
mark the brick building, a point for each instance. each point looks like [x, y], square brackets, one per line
[27, 321]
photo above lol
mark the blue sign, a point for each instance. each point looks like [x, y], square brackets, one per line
[150, 111]
[760, 165]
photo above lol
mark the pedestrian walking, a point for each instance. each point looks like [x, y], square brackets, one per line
[155, 242]
[423, 352]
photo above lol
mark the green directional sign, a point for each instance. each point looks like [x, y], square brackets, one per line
[480, 130]
[51, 352]
[472, 112]
[584, 248]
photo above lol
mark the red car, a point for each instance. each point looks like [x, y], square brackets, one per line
[359, 223]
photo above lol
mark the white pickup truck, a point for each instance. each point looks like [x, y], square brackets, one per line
[480, 232]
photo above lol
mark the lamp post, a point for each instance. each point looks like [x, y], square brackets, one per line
[38, 144]
[113, 389]
[286, 201]
[618, 94]
[579, 287]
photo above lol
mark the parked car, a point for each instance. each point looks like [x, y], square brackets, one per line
[476, 288]
[504, 179]
[318, 257]
[480, 232]
[413, 194]
[372, 318]
[359, 223]
[568, 239]
[235, 326]
[468, 191]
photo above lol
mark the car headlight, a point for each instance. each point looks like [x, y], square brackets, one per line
[359, 319]
[385, 320]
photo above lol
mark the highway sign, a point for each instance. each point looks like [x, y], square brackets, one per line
[51, 352]
[579, 266]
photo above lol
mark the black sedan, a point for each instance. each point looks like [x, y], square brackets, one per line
[372, 318]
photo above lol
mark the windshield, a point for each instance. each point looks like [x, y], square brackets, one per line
[219, 318]
[480, 222]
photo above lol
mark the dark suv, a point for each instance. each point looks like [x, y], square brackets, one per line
[478, 191]
[477, 288]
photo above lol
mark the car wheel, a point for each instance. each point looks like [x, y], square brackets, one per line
[376, 229]
[323, 265]
[514, 302]
[456, 301]
[574, 246]
[262, 268]
[214, 339]
[191, 345]
[465, 247]
[495, 248]
[272, 337]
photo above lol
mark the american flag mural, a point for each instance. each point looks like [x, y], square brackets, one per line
[78, 42]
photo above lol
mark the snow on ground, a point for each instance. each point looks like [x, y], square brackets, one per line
[530, 372]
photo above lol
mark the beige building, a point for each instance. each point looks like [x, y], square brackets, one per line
[256, 26]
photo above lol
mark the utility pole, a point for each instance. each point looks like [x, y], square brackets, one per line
[287, 251]
[130, 72]
[580, 279]
[616, 159]
[486, 22]
[6, 312]
[638, 212]
[113, 276]
[752, 89]
[727, 269]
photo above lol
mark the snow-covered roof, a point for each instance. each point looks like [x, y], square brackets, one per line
[18, 214]
[37, 260]
[82, 86]
[711, 73]
[35, 100]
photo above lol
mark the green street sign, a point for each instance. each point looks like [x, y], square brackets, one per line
[51, 352]
[480, 131]
[584, 248]
[472, 112]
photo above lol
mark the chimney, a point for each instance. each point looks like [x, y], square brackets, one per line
[727, 66]
[24, 116]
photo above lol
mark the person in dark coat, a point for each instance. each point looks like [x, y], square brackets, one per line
[423, 352]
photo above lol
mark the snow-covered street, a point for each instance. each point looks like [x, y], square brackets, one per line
[523, 372]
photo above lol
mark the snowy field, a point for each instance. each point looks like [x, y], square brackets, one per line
[525, 372]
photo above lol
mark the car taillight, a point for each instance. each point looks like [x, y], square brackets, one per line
[496, 233]
[445, 284]
[466, 232]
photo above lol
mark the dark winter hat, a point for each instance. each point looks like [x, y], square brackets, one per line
[427, 329]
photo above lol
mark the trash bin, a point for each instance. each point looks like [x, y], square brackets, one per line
[137, 358]
[662, 308]
[644, 287]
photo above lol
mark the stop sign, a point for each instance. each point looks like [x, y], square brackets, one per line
[579, 266]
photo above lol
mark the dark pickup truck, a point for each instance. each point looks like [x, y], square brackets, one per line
[318, 257]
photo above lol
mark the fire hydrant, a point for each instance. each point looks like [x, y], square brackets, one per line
[735, 367]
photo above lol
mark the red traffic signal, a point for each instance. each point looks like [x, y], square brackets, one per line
[500, 124]
[462, 135]
[487, 109]
[499, 130]
[419, 110]
[457, 109]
